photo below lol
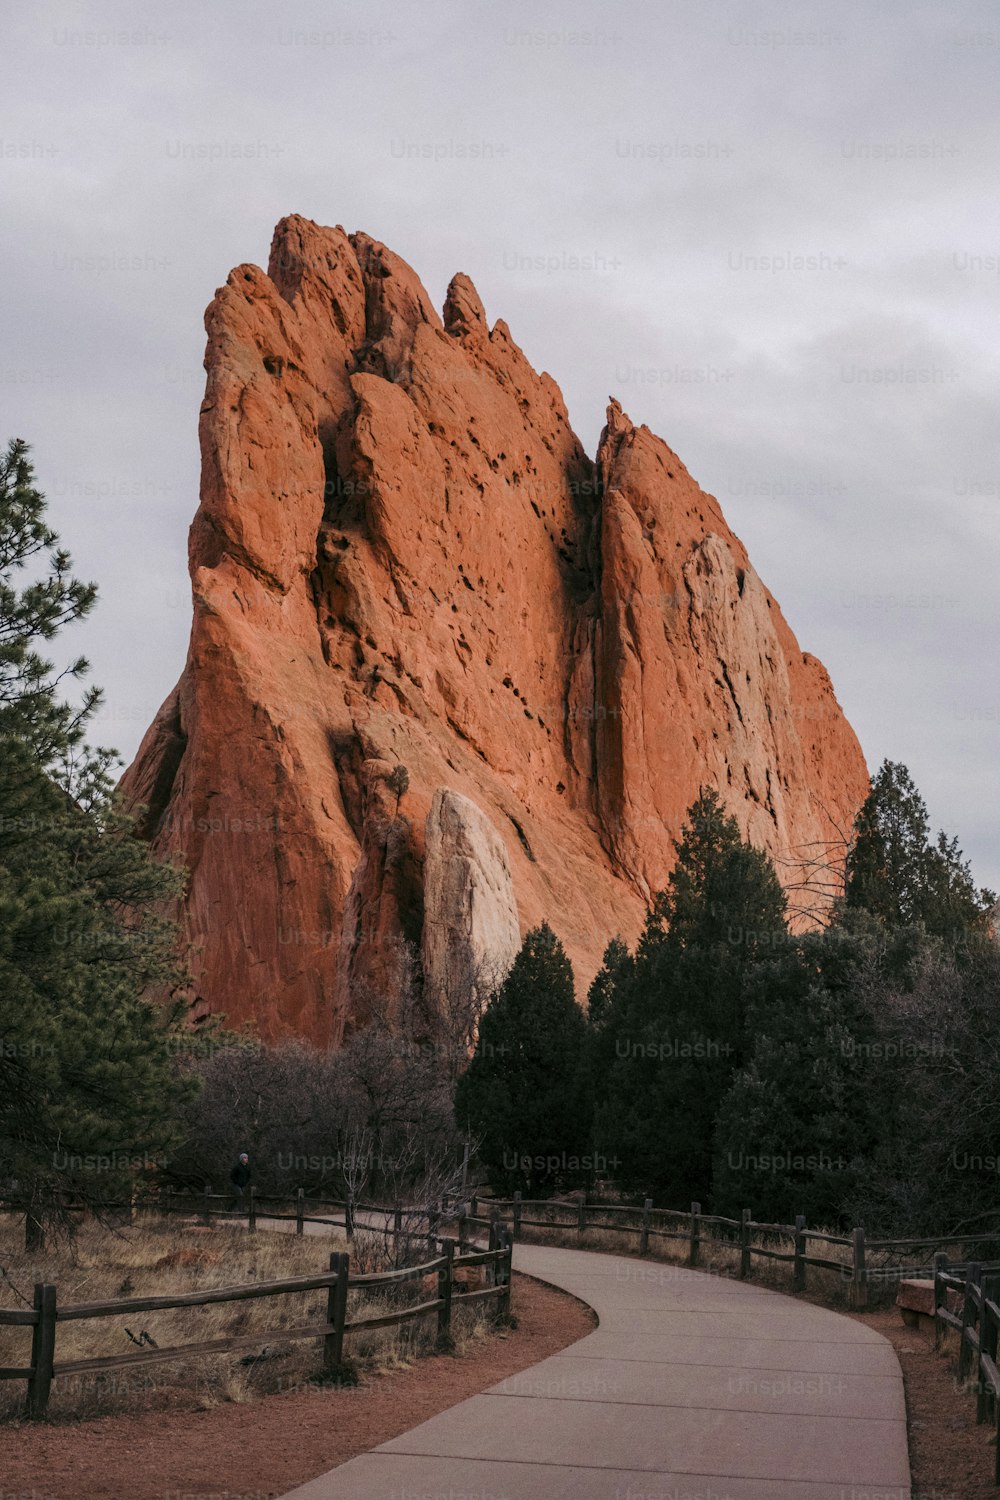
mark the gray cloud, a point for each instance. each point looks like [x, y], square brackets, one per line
[793, 241]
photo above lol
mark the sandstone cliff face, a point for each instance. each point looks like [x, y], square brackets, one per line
[404, 557]
[470, 934]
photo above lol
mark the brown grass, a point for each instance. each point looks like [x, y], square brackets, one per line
[155, 1257]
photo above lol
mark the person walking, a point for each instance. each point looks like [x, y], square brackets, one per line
[241, 1176]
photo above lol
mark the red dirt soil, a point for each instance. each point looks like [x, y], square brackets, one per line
[264, 1448]
[951, 1458]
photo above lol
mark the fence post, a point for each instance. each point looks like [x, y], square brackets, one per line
[695, 1234]
[581, 1221]
[517, 1214]
[460, 1227]
[433, 1223]
[940, 1295]
[503, 1270]
[336, 1312]
[644, 1231]
[446, 1280]
[397, 1220]
[991, 1332]
[745, 1244]
[300, 1194]
[349, 1217]
[973, 1280]
[474, 1206]
[799, 1264]
[859, 1278]
[987, 1346]
[43, 1348]
[508, 1278]
[252, 1210]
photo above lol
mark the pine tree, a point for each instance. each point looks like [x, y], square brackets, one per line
[897, 875]
[31, 615]
[88, 1092]
[680, 1030]
[799, 1125]
[526, 1092]
[606, 1002]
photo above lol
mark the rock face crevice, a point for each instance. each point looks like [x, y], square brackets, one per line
[404, 557]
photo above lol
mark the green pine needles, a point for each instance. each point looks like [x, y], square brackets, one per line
[88, 1093]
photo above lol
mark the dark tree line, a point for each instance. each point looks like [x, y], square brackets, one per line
[844, 1073]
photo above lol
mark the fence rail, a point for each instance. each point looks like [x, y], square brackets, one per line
[425, 1225]
[975, 1287]
[46, 1314]
[352, 1212]
[863, 1261]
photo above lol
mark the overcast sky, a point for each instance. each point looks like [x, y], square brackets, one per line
[772, 230]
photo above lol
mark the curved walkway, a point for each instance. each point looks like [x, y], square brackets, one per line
[693, 1387]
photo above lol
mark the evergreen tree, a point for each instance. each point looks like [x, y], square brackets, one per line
[606, 1002]
[88, 1088]
[33, 614]
[800, 1123]
[895, 873]
[722, 892]
[680, 1029]
[526, 1092]
[937, 1037]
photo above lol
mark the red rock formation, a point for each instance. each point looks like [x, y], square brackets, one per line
[403, 556]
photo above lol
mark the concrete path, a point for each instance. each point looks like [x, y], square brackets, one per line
[693, 1387]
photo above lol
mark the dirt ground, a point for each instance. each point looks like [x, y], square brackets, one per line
[264, 1448]
[951, 1458]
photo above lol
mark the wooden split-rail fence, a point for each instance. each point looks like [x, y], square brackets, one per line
[45, 1316]
[694, 1229]
[863, 1262]
[967, 1300]
[420, 1223]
